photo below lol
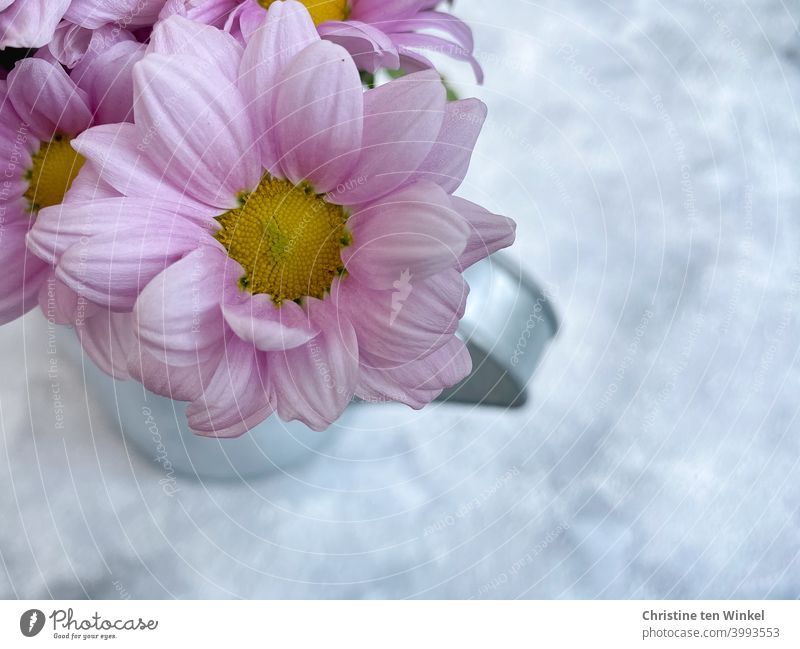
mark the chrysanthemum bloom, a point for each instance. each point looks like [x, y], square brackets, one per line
[377, 33]
[42, 111]
[285, 240]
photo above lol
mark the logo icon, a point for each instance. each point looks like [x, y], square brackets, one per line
[31, 622]
[402, 290]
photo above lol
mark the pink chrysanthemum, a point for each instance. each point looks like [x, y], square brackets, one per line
[285, 240]
[377, 33]
[43, 109]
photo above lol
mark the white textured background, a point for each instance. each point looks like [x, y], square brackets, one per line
[660, 455]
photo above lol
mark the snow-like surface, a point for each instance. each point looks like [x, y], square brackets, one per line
[651, 155]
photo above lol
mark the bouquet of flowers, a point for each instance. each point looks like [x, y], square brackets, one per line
[225, 206]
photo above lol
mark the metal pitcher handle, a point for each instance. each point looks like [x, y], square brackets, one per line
[508, 323]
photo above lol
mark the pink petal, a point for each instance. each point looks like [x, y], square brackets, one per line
[410, 321]
[61, 305]
[402, 121]
[410, 44]
[178, 315]
[23, 274]
[237, 397]
[16, 149]
[444, 22]
[370, 47]
[413, 230]
[208, 12]
[249, 17]
[59, 227]
[132, 13]
[448, 161]
[382, 12]
[89, 186]
[70, 43]
[418, 382]
[113, 268]
[15, 141]
[77, 47]
[15, 159]
[216, 48]
[195, 128]
[107, 338]
[108, 81]
[47, 99]
[255, 319]
[117, 151]
[314, 383]
[490, 232]
[171, 381]
[287, 31]
[320, 114]
[30, 23]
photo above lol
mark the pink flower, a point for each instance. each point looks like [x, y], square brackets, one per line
[284, 240]
[377, 33]
[43, 110]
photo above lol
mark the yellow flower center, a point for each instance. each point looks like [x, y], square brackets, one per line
[55, 166]
[321, 10]
[288, 240]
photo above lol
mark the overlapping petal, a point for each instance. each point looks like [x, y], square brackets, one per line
[415, 383]
[30, 23]
[194, 128]
[449, 158]
[237, 396]
[23, 274]
[369, 46]
[269, 51]
[319, 114]
[410, 321]
[489, 232]
[254, 318]
[113, 268]
[402, 123]
[119, 152]
[47, 100]
[178, 315]
[129, 13]
[315, 382]
[214, 47]
[413, 230]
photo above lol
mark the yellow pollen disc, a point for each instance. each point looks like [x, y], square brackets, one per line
[287, 239]
[321, 10]
[55, 166]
